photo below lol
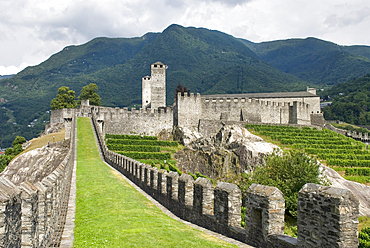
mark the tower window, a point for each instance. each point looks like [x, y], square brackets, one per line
[161, 66]
[155, 65]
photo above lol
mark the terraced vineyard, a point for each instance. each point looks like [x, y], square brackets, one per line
[345, 155]
[146, 149]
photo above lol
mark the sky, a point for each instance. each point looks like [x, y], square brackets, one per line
[33, 30]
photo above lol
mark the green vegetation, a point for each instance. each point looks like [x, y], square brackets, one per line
[65, 99]
[111, 213]
[11, 152]
[288, 172]
[146, 149]
[316, 61]
[89, 92]
[198, 174]
[128, 136]
[133, 148]
[331, 148]
[350, 102]
[141, 142]
[364, 237]
[204, 61]
[351, 127]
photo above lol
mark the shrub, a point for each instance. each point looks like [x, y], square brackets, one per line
[142, 142]
[288, 172]
[146, 155]
[364, 238]
[19, 140]
[174, 168]
[127, 136]
[139, 148]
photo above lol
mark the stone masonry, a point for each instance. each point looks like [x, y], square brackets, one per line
[31, 210]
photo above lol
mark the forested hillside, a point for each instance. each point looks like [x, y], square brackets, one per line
[204, 61]
[313, 60]
[350, 102]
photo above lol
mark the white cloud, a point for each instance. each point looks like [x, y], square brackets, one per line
[33, 30]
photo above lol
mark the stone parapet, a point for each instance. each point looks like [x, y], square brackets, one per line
[31, 213]
[328, 217]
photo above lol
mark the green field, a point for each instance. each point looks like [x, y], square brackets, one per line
[111, 213]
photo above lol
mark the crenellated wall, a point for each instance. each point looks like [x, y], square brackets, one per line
[31, 212]
[190, 109]
[326, 215]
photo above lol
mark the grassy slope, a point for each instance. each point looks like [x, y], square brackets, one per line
[111, 213]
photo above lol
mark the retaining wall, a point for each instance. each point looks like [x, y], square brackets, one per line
[219, 208]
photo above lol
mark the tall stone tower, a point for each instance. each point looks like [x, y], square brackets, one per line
[154, 87]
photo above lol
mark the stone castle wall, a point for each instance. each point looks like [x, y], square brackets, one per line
[190, 109]
[134, 121]
[31, 212]
[327, 216]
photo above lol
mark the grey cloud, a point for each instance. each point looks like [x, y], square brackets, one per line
[230, 2]
[175, 3]
[351, 18]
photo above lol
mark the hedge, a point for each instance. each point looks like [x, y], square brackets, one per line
[142, 142]
[127, 136]
[139, 148]
[357, 171]
[146, 155]
[348, 163]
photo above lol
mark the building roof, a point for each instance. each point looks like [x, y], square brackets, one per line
[265, 95]
[158, 63]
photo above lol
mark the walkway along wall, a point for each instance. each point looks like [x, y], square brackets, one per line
[31, 215]
[327, 216]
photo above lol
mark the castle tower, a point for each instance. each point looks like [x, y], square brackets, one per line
[146, 92]
[154, 87]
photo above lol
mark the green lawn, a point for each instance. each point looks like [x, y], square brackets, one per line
[111, 213]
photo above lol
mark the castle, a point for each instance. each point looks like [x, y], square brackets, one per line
[30, 213]
[202, 113]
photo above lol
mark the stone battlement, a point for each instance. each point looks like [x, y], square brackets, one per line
[32, 213]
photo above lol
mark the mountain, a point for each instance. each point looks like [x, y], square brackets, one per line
[204, 61]
[313, 60]
[6, 76]
[350, 101]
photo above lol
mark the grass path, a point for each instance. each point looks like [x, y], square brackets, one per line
[111, 213]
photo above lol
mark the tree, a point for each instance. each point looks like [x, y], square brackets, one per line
[88, 92]
[287, 172]
[65, 99]
[19, 140]
[182, 90]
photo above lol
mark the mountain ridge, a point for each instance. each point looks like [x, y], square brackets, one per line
[205, 61]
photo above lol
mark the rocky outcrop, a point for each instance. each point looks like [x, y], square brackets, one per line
[231, 151]
[361, 191]
[34, 165]
[184, 135]
[53, 128]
